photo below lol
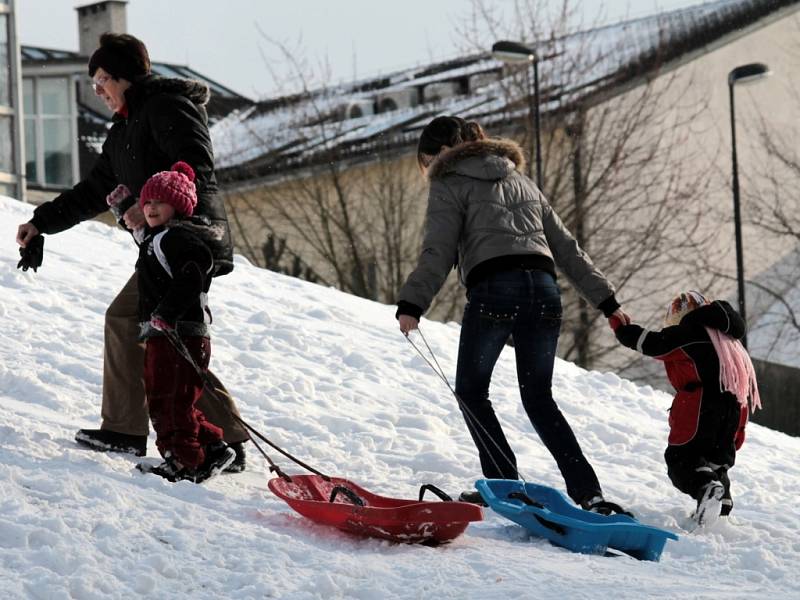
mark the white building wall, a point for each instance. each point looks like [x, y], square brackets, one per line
[705, 152]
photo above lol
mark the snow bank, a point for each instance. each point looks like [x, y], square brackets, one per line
[329, 377]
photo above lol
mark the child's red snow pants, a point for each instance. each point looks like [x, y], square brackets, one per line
[173, 387]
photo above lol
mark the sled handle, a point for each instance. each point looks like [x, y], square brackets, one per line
[435, 490]
[525, 499]
[351, 495]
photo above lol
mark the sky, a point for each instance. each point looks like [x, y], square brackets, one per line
[328, 377]
[233, 41]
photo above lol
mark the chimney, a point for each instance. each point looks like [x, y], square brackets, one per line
[97, 18]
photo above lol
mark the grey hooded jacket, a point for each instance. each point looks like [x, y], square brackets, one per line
[481, 207]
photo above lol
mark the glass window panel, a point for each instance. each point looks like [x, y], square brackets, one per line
[54, 92]
[33, 53]
[6, 149]
[5, 65]
[31, 172]
[8, 189]
[57, 152]
[28, 99]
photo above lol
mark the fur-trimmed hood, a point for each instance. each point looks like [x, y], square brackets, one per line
[489, 159]
[195, 91]
[200, 226]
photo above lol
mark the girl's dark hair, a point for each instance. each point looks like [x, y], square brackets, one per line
[121, 56]
[446, 131]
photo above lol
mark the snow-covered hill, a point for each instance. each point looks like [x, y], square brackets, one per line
[330, 378]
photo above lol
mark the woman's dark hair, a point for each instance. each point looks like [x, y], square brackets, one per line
[446, 131]
[121, 56]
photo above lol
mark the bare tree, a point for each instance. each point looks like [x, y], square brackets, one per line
[773, 212]
[353, 222]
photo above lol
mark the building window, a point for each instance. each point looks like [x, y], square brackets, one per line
[50, 136]
[6, 146]
[10, 166]
[5, 62]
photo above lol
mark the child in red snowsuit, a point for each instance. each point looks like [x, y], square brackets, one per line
[174, 275]
[714, 380]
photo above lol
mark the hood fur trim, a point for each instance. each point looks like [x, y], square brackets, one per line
[196, 91]
[446, 161]
[199, 226]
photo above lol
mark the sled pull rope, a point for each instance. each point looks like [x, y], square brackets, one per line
[469, 415]
[177, 342]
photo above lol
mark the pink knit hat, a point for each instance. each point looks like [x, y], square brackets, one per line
[175, 187]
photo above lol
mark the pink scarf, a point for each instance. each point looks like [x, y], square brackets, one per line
[736, 373]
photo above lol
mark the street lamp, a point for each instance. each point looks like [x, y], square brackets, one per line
[743, 74]
[514, 53]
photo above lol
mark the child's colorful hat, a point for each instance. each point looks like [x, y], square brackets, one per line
[682, 304]
[175, 187]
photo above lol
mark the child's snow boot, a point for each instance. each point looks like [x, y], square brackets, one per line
[219, 457]
[170, 469]
[709, 503]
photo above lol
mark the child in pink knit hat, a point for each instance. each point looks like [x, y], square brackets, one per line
[715, 384]
[174, 271]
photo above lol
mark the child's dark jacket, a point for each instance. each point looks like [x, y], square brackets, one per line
[692, 365]
[174, 270]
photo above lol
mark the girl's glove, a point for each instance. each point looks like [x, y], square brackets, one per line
[118, 194]
[32, 254]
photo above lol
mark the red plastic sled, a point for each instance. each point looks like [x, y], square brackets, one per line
[349, 507]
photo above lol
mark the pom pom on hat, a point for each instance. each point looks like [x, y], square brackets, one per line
[175, 187]
[185, 168]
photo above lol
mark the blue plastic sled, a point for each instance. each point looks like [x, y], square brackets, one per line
[546, 512]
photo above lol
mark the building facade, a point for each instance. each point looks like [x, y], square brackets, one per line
[65, 123]
[12, 182]
[670, 205]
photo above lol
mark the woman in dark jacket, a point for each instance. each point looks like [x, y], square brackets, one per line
[156, 122]
[488, 218]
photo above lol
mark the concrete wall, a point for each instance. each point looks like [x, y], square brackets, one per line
[703, 152]
[778, 386]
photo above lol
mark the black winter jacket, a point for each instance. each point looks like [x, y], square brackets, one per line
[174, 270]
[166, 122]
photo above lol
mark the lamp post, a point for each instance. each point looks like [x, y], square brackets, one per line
[743, 74]
[514, 53]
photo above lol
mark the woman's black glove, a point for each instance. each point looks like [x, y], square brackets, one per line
[32, 254]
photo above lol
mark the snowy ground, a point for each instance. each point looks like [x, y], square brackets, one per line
[329, 377]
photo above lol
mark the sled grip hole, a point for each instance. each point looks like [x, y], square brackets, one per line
[435, 490]
[351, 495]
[525, 499]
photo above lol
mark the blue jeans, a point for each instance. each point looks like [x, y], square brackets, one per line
[527, 306]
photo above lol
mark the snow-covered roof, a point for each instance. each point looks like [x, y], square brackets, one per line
[301, 130]
[32, 55]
